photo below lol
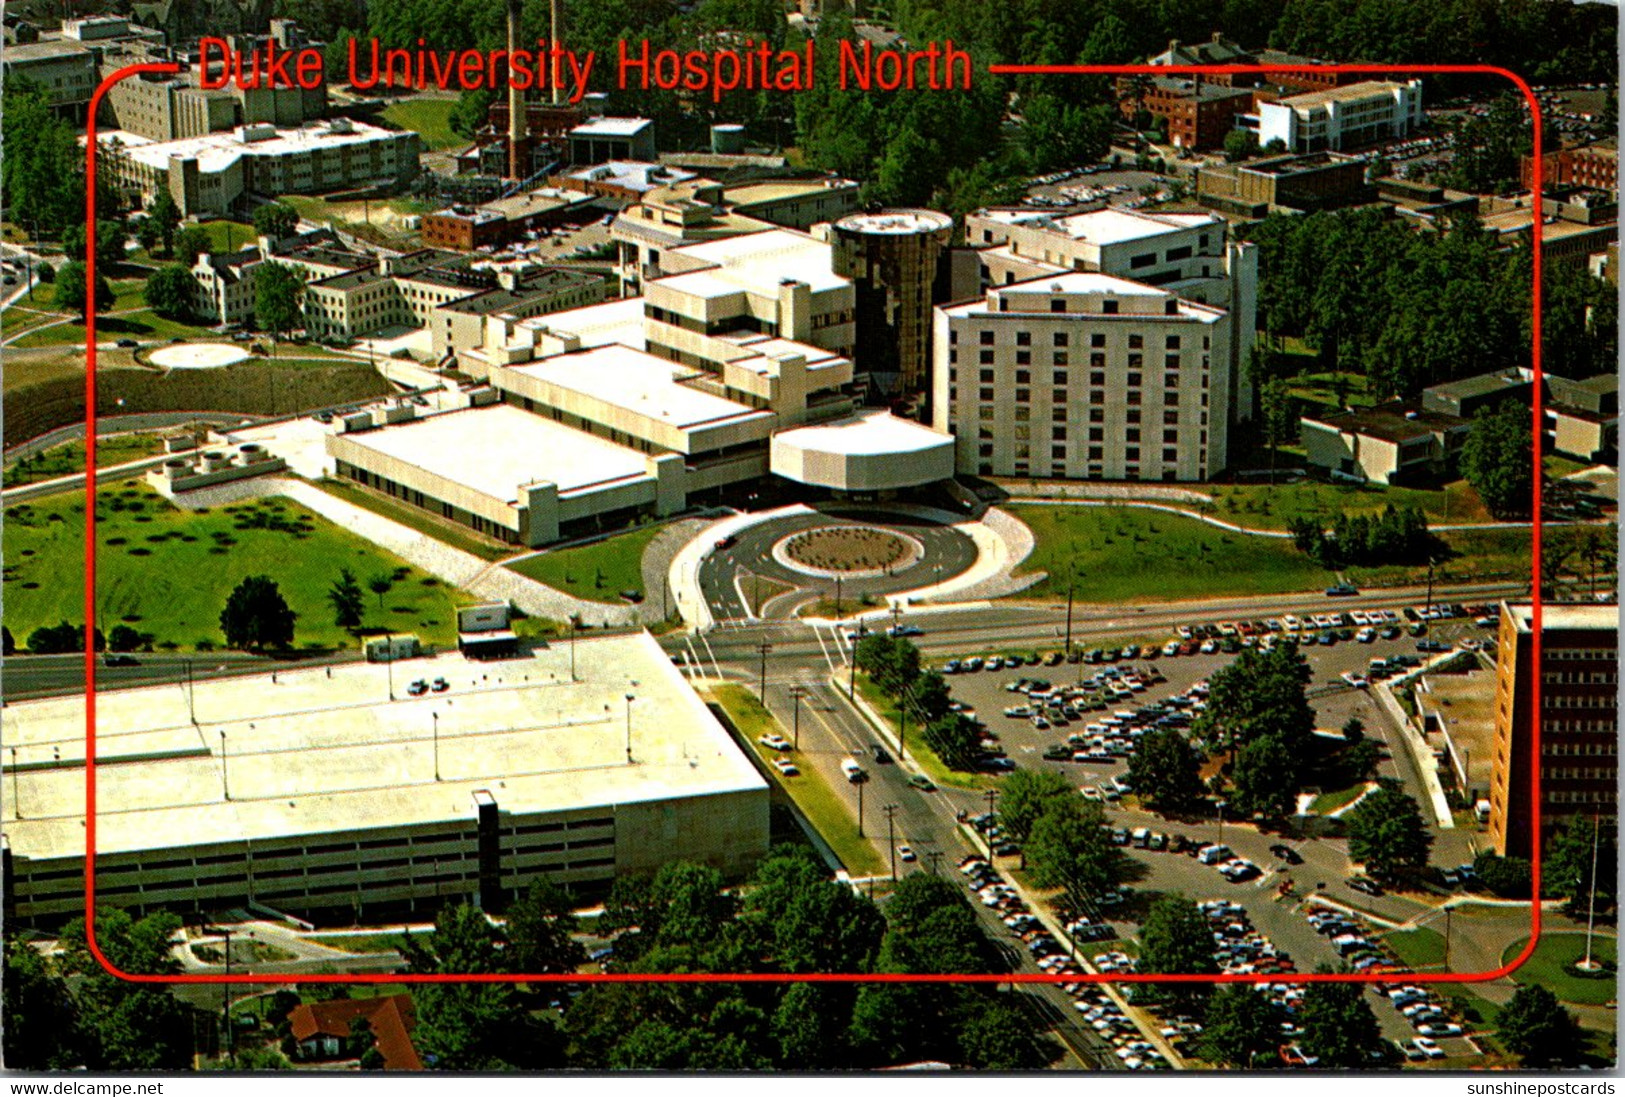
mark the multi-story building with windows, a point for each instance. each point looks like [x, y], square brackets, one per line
[1576, 773]
[1084, 376]
[1342, 118]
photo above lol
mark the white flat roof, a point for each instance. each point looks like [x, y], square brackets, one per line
[216, 151]
[611, 127]
[1113, 226]
[596, 325]
[497, 449]
[1567, 616]
[313, 754]
[868, 434]
[759, 261]
[632, 174]
[897, 222]
[640, 383]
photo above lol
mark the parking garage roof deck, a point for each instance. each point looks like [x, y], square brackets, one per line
[309, 754]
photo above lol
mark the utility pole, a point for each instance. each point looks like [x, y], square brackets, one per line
[861, 782]
[1071, 577]
[852, 687]
[902, 722]
[1447, 911]
[896, 617]
[389, 664]
[762, 649]
[837, 596]
[992, 797]
[630, 697]
[573, 650]
[797, 691]
[435, 716]
[191, 709]
[935, 857]
[891, 837]
[1427, 617]
[225, 776]
[16, 794]
[225, 987]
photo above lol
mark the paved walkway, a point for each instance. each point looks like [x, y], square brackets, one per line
[450, 565]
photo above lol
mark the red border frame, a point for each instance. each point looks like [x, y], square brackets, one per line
[828, 977]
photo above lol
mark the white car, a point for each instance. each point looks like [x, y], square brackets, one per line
[906, 853]
[774, 742]
[1428, 1047]
[1440, 1030]
[786, 767]
[1366, 635]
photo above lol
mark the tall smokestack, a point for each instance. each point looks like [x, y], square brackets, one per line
[553, 44]
[516, 101]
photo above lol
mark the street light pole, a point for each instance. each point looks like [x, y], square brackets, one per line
[762, 649]
[225, 987]
[16, 794]
[796, 693]
[225, 774]
[629, 699]
[852, 686]
[860, 807]
[1070, 578]
[572, 649]
[992, 796]
[435, 716]
[891, 837]
[1221, 806]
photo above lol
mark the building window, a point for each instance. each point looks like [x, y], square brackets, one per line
[1057, 304]
[1133, 397]
[986, 338]
[1132, 415]
[1096, 453]
[985, 376]
[1173, 342]
[1097, 397]
[1170, 437]
[1024, 377]
[1097, 361]
[1024, 357]
[1134, 380]
[1058, 396]
[1097, 339]
[1097, 378]
[1059, 358]
[1058, 434]
[986, 358]
[1170, 456]
[984, 412]
[1109, 307]
[1132, 434]
[1058, 413]
[1060, 339]
[1136, 342]
[1097, 415]
[985, 395]
[1171, 362]
[1024, 338]
[1131, 453]
[1171, 306]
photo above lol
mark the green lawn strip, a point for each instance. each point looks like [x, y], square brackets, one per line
[1127, 554]
[168, 572]
[430, 119]
[1559, 467]
[322, 992]
[811, 793]
[596, 572]
[1422, 950]
[69, 458]
[143, 324]
[1548, 965]
[1273, 506]
[411, 517]
[360, 942]
[1476, 555]
[1328, 802]
[1126, 946]
[924, 757]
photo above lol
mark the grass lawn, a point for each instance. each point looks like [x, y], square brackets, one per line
[141, 324]
[1422, 949]
[597, 571]
[458, 537]
[1546, 967]
[1273, 506]
[69, 458]
[22, 373]
[430, 119]
[1477, 554]
[168, 572]
[1418, 949]
[1328, 802]
[1559, 467]
[811, 793]
[923, 756]
[359, 942]
[1322, 388]
[1126, 554]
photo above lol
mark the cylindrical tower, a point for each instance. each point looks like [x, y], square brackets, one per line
[892, 257]
[516, 101]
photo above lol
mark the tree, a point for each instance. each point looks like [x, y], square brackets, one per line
[191, 242]
[380, 584]
[1070, 847]
[256, 616]
[361, 1040]
[345, 595]
[1498, 459]
[110, 239]
[1264, 779]
[42, 176]
[278, 291]
[1240, 1025]
[8, 645]
[1353, 729]
[1175, 940]
[42, 1030]
[1339, 1027]
[539, 933]
[149, 234]
[1538, 1030]
[804, 921]
[129, 1026]
[278, 220]
[1025, 795]
[72, 294]
[1240, 144]
[997, 1036]
[1260, 693]
[470, 1025]
[472, 109]
[956, 740]
[124, 638]
[170, 292]
[1165, 771]
[1567, 868]
[1507, 877]
[1387, 834]
[167, 216]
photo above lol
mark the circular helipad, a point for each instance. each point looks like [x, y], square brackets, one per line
[198, 355]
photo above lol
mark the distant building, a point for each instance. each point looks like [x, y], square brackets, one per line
[1301, 73]
[1084, 376]
[521, 294]
[1199, 112]
[321, 1030]
[625, 180]
[1582, 418]
[1253, 189]
[1387, 444]
[893, 258]
[225, 285]
[62, 68]
[1576, 775]
[1468, 396]
[504, 221]
[793, 203]
[1342, 118]
[672, 217]
[604, 139]
[1586, 166]
[214, 173]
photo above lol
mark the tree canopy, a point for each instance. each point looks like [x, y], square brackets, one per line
[256, 616]
[1339, 1026]
[1387, 834]
[171, 292]
[1166, 771]
[1498, 459]
[1175, 940]
[1538, 1030]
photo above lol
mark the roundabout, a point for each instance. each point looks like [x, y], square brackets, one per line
[779, 562]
